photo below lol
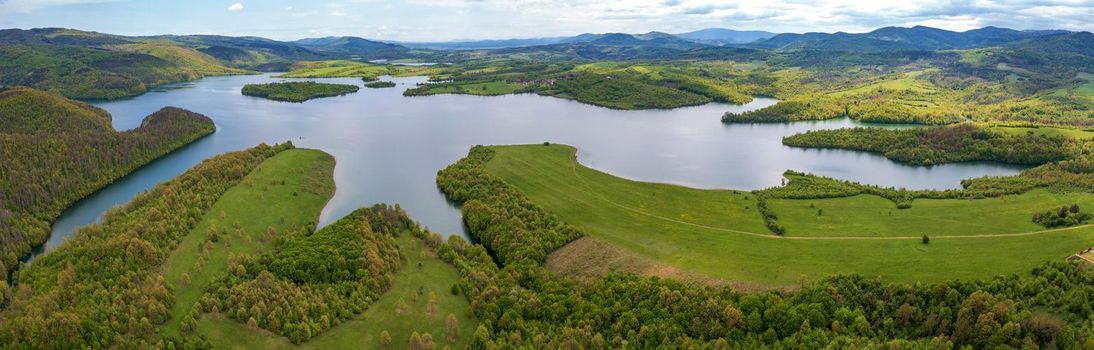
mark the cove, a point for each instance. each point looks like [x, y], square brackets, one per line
[389, 147]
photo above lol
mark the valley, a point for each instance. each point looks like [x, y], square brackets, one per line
[277, 185]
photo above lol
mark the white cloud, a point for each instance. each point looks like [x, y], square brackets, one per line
[235, 7]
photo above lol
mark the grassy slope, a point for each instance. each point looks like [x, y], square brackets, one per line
[363, 332]
[1047, 131]
[355, 69]
[184, 57]
[491, 88]
[873, 216]
[91, 73]
[293, 187]
[701, 230]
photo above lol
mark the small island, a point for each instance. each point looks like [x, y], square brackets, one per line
[297, 91]
[380, 84]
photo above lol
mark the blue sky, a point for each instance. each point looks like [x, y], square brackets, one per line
[437, 20]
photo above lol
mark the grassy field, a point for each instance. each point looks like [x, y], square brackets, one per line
[423, 274]
[718, 233]
[493, 88]
[1047, 131]
[906, 81]
[293, 187]
[345, 68]
[184, 57]
[873, 216]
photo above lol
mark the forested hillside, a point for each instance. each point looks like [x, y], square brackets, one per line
[57, 151]
[959, 143]
[91, 65]
[102, 288]
[85, 73]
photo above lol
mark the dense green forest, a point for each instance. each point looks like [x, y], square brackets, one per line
[380, 84]
[486, 200]
[102, 288]
[930, 146]
[312, 282]
[57, 151]
[521, 304]
[297, 91]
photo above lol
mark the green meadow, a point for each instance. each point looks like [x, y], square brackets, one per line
[873, 216]
[293, 187]
[720, 234]
[1047, 131]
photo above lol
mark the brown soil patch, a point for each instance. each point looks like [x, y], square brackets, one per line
[588, 258]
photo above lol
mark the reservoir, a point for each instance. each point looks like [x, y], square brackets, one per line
[389, 147]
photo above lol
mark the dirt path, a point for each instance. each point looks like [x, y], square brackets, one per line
[1080, 256]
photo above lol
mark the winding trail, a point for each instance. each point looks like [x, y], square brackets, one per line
[574, 164]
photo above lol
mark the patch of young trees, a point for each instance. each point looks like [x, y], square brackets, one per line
[312, 282]
[1062, 217]
[57, 151]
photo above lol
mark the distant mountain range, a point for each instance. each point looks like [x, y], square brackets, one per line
[709, 36]
[350, 45]
[918, 38]
[722, 36]
[266, 54]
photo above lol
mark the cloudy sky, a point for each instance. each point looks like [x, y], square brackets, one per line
[436, 20]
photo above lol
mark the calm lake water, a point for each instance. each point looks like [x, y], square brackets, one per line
[389, 147]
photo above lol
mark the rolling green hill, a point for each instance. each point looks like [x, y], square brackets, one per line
[529, 204]
[86, 73]
[184, 57]
[721, 234]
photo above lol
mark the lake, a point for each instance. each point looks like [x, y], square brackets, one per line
[389, 147]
